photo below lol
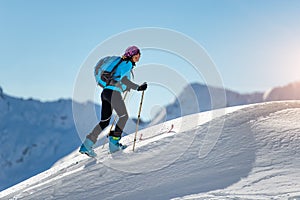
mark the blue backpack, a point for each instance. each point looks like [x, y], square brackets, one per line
[104, 71]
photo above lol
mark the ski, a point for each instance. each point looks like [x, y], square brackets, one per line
[169, 130]
[141, 138]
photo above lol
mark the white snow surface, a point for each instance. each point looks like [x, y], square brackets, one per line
[245, 152]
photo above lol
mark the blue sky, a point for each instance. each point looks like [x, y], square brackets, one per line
[255, 44]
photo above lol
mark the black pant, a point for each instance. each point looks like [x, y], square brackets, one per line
[111, 100]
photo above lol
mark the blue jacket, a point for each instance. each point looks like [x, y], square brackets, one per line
[122, 71]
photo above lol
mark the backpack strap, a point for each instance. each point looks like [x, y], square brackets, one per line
[116, 66]
[113, 82]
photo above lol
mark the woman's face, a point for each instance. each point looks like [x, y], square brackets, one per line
[136, 58]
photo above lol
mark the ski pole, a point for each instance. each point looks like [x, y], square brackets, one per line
[115, 119]
[138, 120]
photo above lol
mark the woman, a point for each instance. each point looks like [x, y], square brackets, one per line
[111, 98]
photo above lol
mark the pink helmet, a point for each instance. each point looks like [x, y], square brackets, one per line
[131, 51]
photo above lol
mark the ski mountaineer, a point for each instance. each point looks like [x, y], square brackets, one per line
[111, 98]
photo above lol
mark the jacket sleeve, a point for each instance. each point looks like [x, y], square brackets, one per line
[129, 84]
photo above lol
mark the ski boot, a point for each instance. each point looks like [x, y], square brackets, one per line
[87, 148]
[114, 144]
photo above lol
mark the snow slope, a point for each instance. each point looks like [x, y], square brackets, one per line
[255, 156]
[35, 134]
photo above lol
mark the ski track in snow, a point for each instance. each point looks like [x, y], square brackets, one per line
[257, 156]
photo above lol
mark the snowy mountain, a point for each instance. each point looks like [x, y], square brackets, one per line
[35, 134]
[182, 105]
[201, 94]
[287, 92]
[245, 152]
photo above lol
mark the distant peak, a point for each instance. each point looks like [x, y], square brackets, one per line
[1, 92]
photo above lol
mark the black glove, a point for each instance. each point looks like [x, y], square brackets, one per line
[142, 87]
